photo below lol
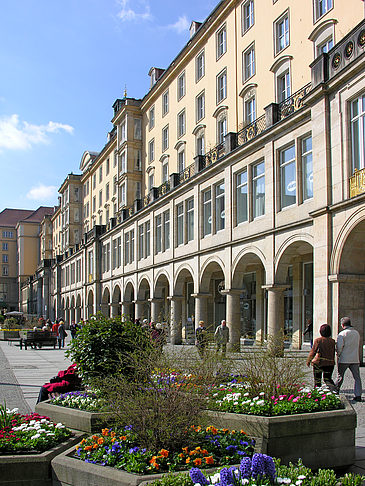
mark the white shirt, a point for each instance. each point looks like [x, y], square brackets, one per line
[348, 342]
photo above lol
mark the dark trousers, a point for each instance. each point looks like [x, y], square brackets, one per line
[43, 394]
[327, 375]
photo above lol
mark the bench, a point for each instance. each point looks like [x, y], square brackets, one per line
[38, 339]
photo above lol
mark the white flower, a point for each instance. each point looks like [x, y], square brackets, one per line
[59, 426]
[301, 476]
[261, 402]
[299, 482]
[36, 436]
[15, 410]
[262, 394]
[255, 398]
[215, 478]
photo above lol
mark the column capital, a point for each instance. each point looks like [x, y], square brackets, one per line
[201, 296]
[275, 287]
[138, 301]
[155, 300]
[175, 297]
[231, 291]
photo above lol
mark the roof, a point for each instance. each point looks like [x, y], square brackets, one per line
[10, 217]
[38, 214]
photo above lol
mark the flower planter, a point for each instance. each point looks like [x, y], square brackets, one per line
[5, 335]
[68, 471]
[74, 419]
[321, 439]
[32, 469]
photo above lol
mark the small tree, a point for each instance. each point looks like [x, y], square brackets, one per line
[102, 347]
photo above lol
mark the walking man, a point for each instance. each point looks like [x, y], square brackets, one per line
[348, 342]
[222, 337]
[201, 339]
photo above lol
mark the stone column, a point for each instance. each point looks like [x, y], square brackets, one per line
[126, 309]
[260, 307]
[155, 309]
[139, 308]
[297, 306]
[175, 317]
[275, 317]
[201, 308]
[233, 317]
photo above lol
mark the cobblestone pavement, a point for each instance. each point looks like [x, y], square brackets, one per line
[22, 373]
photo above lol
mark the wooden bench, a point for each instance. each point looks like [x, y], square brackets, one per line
[38, 339]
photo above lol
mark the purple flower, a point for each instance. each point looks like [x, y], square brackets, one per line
[231, 448]
[270, 467]
[245, 468]
[197, 476]
[226, 477]
[133, 450]
[258, 465]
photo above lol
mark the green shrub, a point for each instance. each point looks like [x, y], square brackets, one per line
[103, 346]
[11, 323]
[180, 479]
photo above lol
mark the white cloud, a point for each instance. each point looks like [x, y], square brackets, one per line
[181, 25]
[42, 193]
[21, 135]
[141, 11]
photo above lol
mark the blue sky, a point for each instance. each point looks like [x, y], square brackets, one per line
[63, 63]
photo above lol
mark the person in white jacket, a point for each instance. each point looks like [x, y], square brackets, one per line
[347, 346]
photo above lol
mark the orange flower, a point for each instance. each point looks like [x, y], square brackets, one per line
[187, 460]
[112, 434]
[100, 441]
[233, 431]
[164, 453]
[113, 439]
[88, 448]
[181, 455]
[123, 437]
[185, 449]
[198, 448]
[209, 460]
[197, 461]
[95, 446]
[95, 437]
[83, 441]
[204, 451]
[225, 430]
[212, 429]
[243, 432]
[153, 459]
[105, 431]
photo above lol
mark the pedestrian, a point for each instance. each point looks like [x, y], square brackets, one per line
[348, 342]
[201, 339]
[61, 335]
[322, 357]
[222, 337]
[309, 330]
[73, 329]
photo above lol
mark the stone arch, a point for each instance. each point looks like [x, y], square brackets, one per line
[288, 249]
[105, 302]
[212, 265]
[142, 308]
[72, 309]
[212, 282]
[78, 313]
[128, 306]
[90, 304]
[160, 308]
[184, 286]
[116, 301]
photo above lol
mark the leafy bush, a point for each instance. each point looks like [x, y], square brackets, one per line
[11, 323]
[103, 345]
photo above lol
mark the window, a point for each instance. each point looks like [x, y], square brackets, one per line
[165, 138]
[123, 198]
[219, 207]
[115, 158]
[151, 120]
[307, 168]
[200, 144]
[100, 198]
[100, 173]
[165, 170]
[123, 132]
[181, 160]
[181, 122]
[250, 110]
[199, 66]
[140, 242]
[138, 160]
[123, 165]
[148, 240]
[158, 221]
[221, 39]
[5, 258]
[181, 86]
[8, 234]
[221, 129]
[321, 7]
[94, 203]
[94, 181]
[5, 270]
[165, 103]
[281, 33]
[241, 197]
[106, 258]
[180, 224]
[207, 212]
[166, 226]
[151, 181]
[200, 106]
[5, 246]
[325, 46]
[249, 63]
[107, 167]
[129, 247]
[138, 190]
[248, 18]
[151, 150]
[119, 251]
[283, 86]
[357, 115]
[115, 185]
[258, 190]
[137, 129]
[221, 86]
[190, 219]
[288, 186]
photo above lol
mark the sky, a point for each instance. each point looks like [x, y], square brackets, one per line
[63, 63]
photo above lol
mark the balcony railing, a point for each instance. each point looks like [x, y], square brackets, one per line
[163, 189]
[357, 183]
[252, 130]
[293, 103]
[213, 155]
[187, 173]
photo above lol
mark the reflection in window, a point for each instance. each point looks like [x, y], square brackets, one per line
[288, 184]
[207, 212]
[307, 168]
[219, 207]
[358, 133]
[258, 190]
[241, 194]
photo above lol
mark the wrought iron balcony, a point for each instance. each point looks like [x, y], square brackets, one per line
[252, 130]
[293, 103]
[357, 183]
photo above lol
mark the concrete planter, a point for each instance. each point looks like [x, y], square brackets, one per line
[321, 439]
[68, 471]
[5, 335]
[32, 469]
[75, 419]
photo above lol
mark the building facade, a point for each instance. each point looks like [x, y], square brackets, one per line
[235, 188]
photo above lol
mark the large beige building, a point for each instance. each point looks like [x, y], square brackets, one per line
[235, 188]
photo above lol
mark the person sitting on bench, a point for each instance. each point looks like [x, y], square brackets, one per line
[65, 381]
